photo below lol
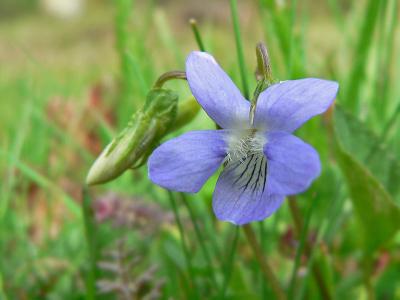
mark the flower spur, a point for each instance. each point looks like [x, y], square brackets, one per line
[263, 162]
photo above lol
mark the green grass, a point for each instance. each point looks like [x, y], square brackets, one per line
[68, 87]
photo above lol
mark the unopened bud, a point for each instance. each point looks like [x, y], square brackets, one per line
[138, 139]
[187, 111]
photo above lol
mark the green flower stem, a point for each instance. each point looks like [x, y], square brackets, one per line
[169, 76]
[200, 238]
[229, 263]
[183, 243]
[298, 221]
[239, 47]
[262, 260]
[197, 35]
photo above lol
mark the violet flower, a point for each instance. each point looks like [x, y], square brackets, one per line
[263, 161]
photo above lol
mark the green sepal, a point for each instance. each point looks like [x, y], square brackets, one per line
[187, 111]
[143, 132]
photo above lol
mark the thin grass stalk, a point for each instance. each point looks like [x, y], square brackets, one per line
[310, 263]
[186, 282]
[140, 47]
[262, 234]
[263, 263]
[229, 263]
[15, 152]
[334, 5]
[197, 35]
[300, 248]
[239, 47]
[91, 243]
[385, 58]
[64, 135]
[3, 294]
[123, 13]
[44, 182]
[167, 38]
[380, 72]
[278, 27]
[360, 55]
[143, 86]
[299, 225]
[200, 239]
[292, 22]
[185, 249]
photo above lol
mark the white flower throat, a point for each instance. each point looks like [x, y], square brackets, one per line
[245, 162]
[242, 144]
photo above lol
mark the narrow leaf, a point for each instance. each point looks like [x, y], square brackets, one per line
[367, 176]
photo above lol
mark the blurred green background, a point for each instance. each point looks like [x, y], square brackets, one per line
[72, 73]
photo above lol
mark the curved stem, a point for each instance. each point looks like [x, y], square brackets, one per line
[169, 76]
[262, 260]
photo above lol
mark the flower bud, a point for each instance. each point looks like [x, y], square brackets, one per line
[187, 111]
[139, 138]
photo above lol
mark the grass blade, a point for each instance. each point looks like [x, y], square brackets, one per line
[360, 55]
[239, 47]
[92, 247]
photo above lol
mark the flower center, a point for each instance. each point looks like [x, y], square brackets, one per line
[242, 144]
[245, 163]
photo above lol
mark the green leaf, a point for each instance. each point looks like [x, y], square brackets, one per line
[360, 142]
[378, 213]
[374, 206]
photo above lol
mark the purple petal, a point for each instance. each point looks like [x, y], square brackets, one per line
[241, 195]
[185, 163]
[286, 106]
[215, 91]
[292, 164]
